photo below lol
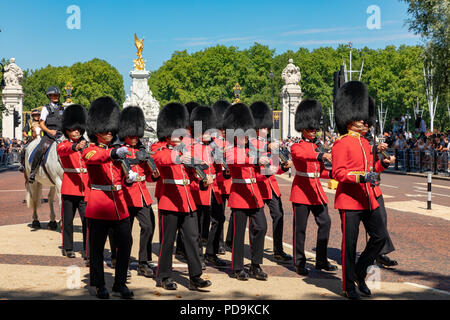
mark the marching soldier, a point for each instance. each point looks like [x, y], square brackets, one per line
[208, 201]
[50, 124]
[75, 182]
[137, 197]
[267, 183]
[176, 206]
[223, 175]
[307, 194]
[355, 198]
[382, 258]
[106, 206]
[245, 199]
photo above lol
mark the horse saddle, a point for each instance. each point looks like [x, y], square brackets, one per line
[44, 160]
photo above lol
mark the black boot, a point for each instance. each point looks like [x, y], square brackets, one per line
[256, 271]
[197, 282]
[145, 270]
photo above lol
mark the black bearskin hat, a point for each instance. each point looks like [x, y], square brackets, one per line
[262, 114]
[103, 116]
[219, 108]
[308, 115]
[238, 116]
[190, 106]
[131, 123]
[351, 104]
[171, 117]
[204, 114]
[74, 117]
[372, 113]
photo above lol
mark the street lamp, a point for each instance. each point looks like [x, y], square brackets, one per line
[237, 93]
[271, 75]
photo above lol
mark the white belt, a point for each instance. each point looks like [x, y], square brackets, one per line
[308, 174]
[141, 178]
[213, 176]
[177, 181]
[246, 181]
[75, 170]
[106, 188]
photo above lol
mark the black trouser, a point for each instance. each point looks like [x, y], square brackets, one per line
[187, 224]
[98, 231]
[44, 144]
[276, 212]
[68, 208]
[217, 217]
[146, 219]
[388, 246]
[373, 223]
[301, 214]
[257, 232]
[224, 205]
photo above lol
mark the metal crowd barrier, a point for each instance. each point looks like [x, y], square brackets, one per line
[9, 158]
[408, 160]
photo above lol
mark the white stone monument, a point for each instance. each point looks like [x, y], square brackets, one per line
[291, 94]
[12, 98]
[141, 95]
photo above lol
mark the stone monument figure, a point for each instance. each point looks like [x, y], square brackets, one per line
[291, 95]
[12, 98]
[141, 95]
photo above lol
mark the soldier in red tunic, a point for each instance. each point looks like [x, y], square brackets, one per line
[356, 197]
[209, 200]
[75, 182]
[219, 145]
[307, 194]
[176, 206]
[106, 206]
[137, 197]
[267, 183]
[245, 199]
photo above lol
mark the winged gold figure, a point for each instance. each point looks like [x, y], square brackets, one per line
[139, 63]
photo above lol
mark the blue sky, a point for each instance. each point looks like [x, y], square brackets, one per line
[36, 33]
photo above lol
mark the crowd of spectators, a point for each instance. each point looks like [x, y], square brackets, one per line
[10, 151]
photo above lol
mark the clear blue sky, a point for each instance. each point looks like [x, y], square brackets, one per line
[35, 32]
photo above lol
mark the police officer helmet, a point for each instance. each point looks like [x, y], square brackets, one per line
[35, 111]
[53, 90]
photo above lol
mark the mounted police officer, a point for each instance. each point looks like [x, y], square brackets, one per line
[50, 123]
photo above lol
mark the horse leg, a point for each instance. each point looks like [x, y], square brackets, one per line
[51, 198]
[33, 197]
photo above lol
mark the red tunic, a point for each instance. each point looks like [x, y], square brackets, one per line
[223, 182]
[307, 190]
[137, 193]
[352, 157]
[203, 197]
[243, 195]
[265, 183]
[104, 171]
[75, 180]
[173, 197]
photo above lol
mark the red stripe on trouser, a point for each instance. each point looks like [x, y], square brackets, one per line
[62, 226]
[89, 255]
[161, 219]
[343, 250]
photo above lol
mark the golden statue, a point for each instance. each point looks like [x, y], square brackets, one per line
[139, 63]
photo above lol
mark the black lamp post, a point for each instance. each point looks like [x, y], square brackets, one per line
[271, 85]
[237, 93]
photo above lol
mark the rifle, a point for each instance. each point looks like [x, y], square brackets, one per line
[219, 156]
[126, 167]
[143, 156]
[195, 165]
[321, 149]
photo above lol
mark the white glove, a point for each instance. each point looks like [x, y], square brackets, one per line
[132, 176]
[122, 152]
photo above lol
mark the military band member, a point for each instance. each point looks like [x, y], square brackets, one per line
[137, 197]
[208, 200]
[267, 183]
[106, 206]
[245, 198]
[356, 197]
[382, 258]
[75, 182]
[176, 206]
[307, 194]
